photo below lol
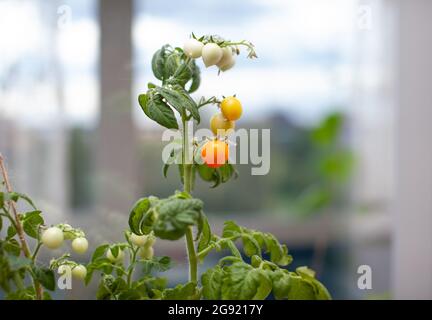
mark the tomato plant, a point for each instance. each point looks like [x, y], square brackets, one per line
[26, 234]
[254, 271]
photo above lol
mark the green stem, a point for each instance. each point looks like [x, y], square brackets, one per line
[18, 281]
[39, 245]
[187, 184]
[212, 100]
[193, 261]
[132, 266]
[211, 247]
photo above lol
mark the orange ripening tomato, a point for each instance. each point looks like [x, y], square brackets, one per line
[231, 108]
[215, 153]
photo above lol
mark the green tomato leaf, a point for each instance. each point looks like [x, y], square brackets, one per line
[196, 78]
[175, 216]
[186, 291]
[156, 264]
[12, 246]
[31, 223]
[250, 245]
[136, 216]
[178, 98]
[102, 264]
[206, 235]
[321, 292]
[158, 62]
[211, 281]
[300, 289]
[111, 288]
[229, 244]
[231, 229]
[99, 252]
[172, 63]
[45, 276]
[157, 110]
[183, 73]
[281, 283]
[11, 232]
[243, 282]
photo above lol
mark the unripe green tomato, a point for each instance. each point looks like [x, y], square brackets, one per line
[221, 126]
[79, 272]
[52, 238]
[64, 269]
[211, 54]
[193, 48]
[80, 245]
[146, 253]
[137, 240]
[113, 259]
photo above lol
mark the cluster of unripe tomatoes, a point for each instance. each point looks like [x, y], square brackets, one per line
[211, 53]
[54, 237]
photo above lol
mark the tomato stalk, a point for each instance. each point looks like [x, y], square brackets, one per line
[187, 187]
[132, 265]
[19, 227]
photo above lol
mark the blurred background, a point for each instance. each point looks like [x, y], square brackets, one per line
[344, 86]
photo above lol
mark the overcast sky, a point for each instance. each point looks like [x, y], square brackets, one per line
[304, 49]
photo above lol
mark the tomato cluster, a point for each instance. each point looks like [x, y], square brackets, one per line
[211, 53]
[215, 153]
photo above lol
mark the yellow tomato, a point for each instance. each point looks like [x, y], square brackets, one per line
[231, 108]
[221, 126]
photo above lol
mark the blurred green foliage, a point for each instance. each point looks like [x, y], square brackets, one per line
[81, 168]
[318, 166]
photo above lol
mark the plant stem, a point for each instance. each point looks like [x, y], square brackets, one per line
[187, 184]
[39, 245]
[19, 228]
[132, 266]
[193, 261]
[205, 251]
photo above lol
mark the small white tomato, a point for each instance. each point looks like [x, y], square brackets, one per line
[64, 269]
[228, 59]
[193, 48]
[137, 240]
[150, 241]
[146, 253]
[113, 259]
[211, 54]
[79, 272]
[52, 238]
[80, 245]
